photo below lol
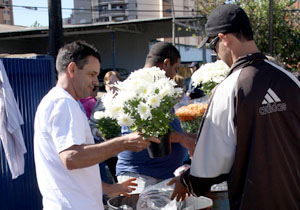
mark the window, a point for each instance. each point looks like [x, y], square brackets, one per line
[119, 18]
[82, 21]
[104, 8]
[118, 7]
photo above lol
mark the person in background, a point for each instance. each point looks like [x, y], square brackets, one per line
[66, 157]
[192, 67]
[149, 171]
[89, 102]
[184, 100]
[110, 78]
[194, 92]
[250, 134]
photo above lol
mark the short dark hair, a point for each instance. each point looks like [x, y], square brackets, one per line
[77, 52]
[160, 51]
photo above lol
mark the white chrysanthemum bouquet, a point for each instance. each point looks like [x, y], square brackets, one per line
[144, 102]
[210, 75]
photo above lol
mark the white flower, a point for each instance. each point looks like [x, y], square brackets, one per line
[166, 87]
[154, 101]
[149, 74]
[144, 111]
[125, 120]
[115, 110]
[143, 89]
[99, 115]
[107, 99]
[178, 91]
[210, 72]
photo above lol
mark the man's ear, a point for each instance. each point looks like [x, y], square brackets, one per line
[71, 68]
[226, 38]
[166, 63]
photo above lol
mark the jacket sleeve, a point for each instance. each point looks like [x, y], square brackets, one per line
[200, 186]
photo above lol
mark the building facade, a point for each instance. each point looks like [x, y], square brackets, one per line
[6, 12]
[92, 11]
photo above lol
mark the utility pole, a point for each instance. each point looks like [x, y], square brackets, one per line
[173, 22]
[271, 27]
[55, 27]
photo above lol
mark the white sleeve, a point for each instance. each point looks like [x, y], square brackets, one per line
[68, 125]
[216, 144]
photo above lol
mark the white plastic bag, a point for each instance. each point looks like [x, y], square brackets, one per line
[157, 197]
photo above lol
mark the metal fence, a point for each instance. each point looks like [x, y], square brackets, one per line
[30, 80]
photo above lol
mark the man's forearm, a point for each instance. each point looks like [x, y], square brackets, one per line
[81, 156]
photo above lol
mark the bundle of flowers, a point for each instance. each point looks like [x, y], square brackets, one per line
[210, 75]
[144, 102]
[107, 126]
[190, 116]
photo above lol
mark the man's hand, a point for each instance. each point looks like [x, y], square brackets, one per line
[180, 191]
[124, 188]
[186, 140]
[135, 142]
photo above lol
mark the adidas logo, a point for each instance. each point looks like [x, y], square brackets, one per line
[270, 97]
[271, 103]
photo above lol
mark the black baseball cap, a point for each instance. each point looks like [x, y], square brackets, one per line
[226, 18]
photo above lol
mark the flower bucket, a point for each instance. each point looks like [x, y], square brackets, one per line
[190, 203]
[122, 202]
[162, 149]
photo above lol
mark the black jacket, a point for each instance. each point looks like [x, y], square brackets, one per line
[251, 137]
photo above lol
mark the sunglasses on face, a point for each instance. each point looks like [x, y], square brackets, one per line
[213, 43]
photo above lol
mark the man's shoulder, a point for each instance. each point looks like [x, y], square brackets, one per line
[56, 96]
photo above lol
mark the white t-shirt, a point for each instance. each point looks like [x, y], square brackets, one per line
[59, 124]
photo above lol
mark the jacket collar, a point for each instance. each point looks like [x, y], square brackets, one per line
[246, 60]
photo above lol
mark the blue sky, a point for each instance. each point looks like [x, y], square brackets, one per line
[27, 17]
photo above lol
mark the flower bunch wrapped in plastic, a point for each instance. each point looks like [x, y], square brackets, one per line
[107, 126]
[210, 75]
[190, 116]
[144, 102]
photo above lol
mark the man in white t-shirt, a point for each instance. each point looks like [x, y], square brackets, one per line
[66, 157]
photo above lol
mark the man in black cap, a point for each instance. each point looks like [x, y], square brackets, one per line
[194, 66]
[250, 133]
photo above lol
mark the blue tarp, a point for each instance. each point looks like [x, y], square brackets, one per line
[30, 79]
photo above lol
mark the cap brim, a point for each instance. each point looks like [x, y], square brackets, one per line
[204, 41]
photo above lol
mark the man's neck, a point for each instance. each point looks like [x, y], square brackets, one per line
[64, 83]
[245, 48]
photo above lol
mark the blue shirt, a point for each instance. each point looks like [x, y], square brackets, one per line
[141, 163]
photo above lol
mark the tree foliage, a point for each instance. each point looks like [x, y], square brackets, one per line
[36, 24]
[286, 26]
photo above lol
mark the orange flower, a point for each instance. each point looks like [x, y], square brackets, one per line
[191, 111]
